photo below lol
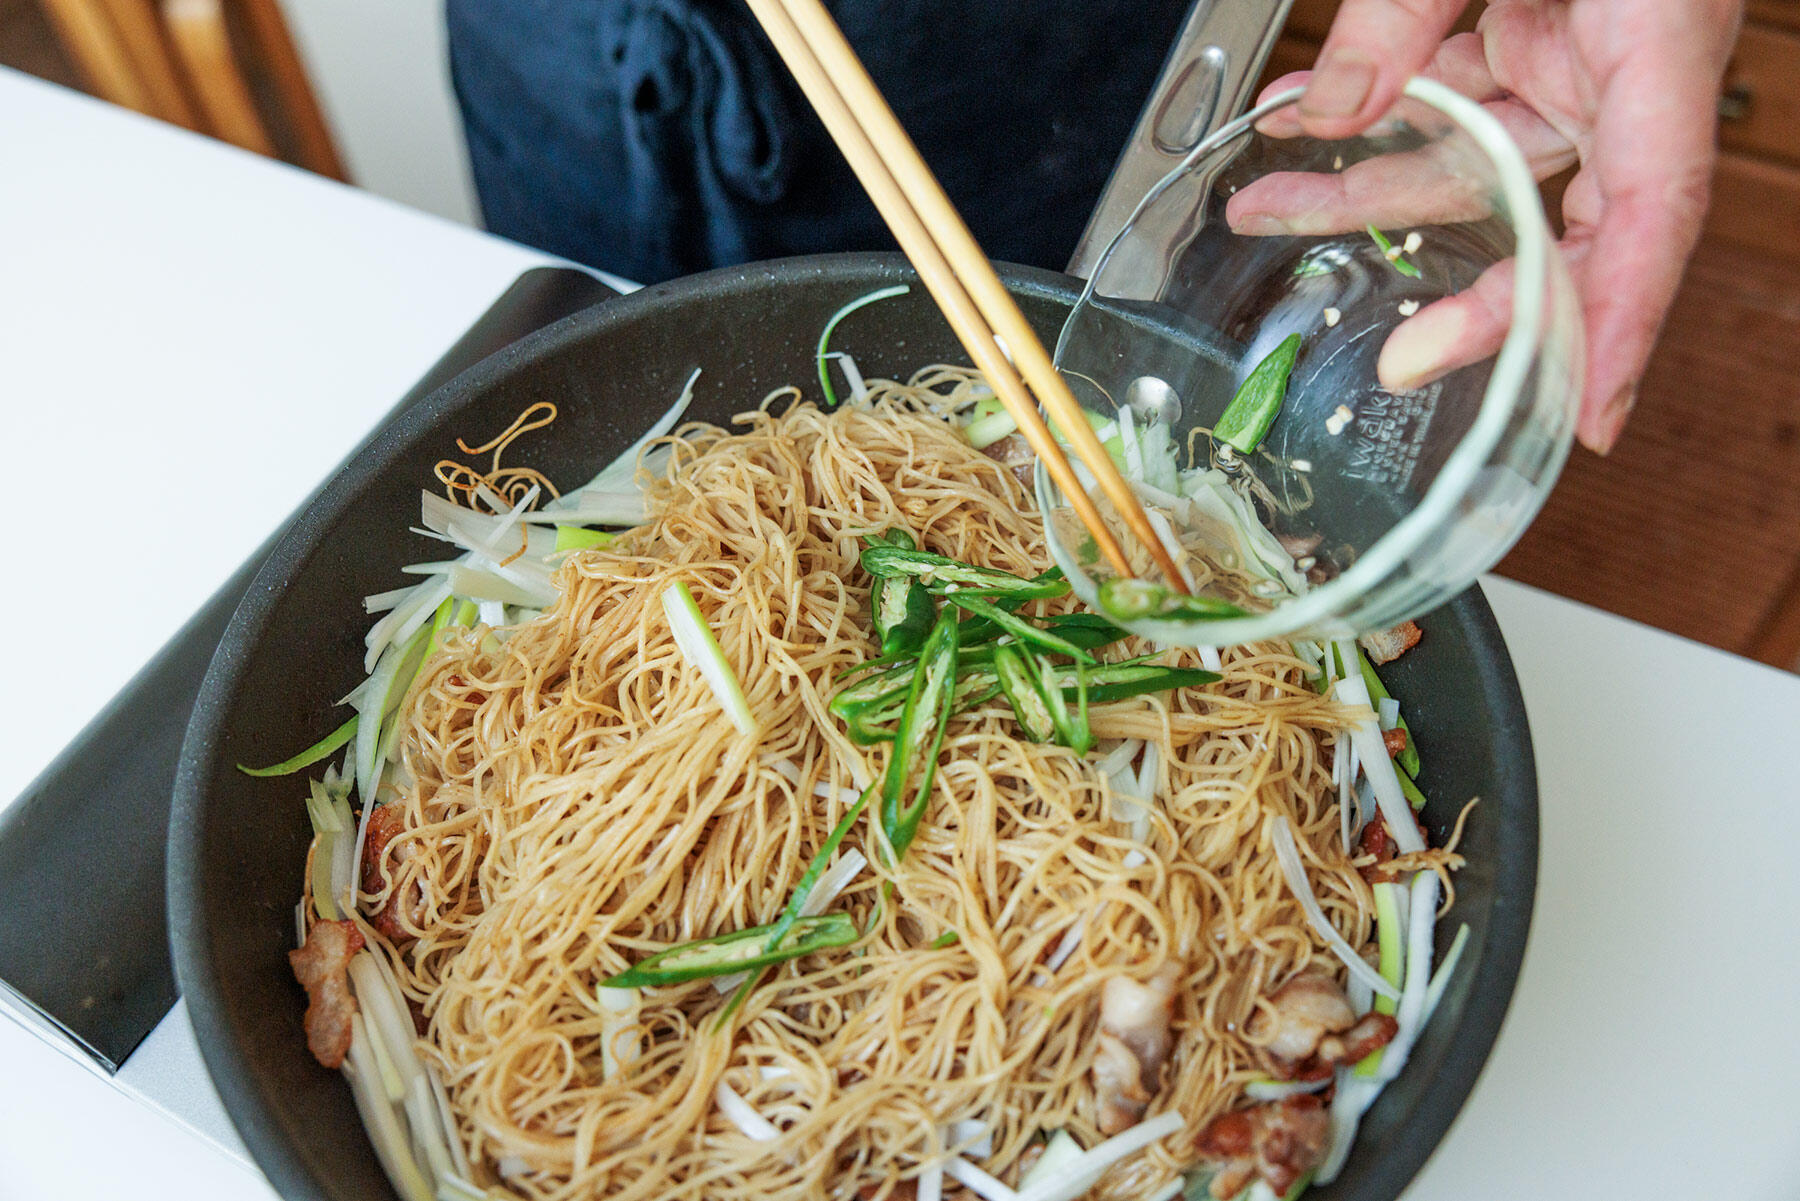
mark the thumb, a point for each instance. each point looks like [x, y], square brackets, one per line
[1374, 47]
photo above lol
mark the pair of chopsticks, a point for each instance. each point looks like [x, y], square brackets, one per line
[953, 268]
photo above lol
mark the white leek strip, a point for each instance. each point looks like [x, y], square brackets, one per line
[931, 1183]
[447, 1120]
[594, 506]
[1172, 1190]
[1352, 1100]
[1119, 757]
[380, 1119]
[1128, 438]
[971, 1137]
[385, 632]
[1209, 658]
[1148, 777]
[1061, 1151]
[1083, 1172]
[978, 1181]
[1181, 506]
[619, 473]
[737, 1111]
[1288, 855]
[1366, 736]
[393, 1049]
[1071, 940]
[381, 602]
[491, 613]
[1411, 1016]
[1165, 533]
[1276, 1090]
[421, 1115]
[324, 851]
[1342, 773]
[300, 924]
[1387, 713]
[1361, 999]
[789, 771]
[483, 584]
[697, 644]
[859, 390]
[379, 992]
[343, 863]
[1440, 979]
[391, 676]
[620, 1043]
[451, 1188]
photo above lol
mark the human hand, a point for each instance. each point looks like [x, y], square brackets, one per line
[1626, 88]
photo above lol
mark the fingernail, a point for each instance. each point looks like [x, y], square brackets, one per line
[1340, 84]
[1260, 225]
[1416, 351]
[1613, 416]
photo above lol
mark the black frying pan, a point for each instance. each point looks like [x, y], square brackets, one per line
[237, 845]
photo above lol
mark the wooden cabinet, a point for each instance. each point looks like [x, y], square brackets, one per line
[1693, 522]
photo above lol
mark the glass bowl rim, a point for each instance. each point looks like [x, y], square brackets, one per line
[1534, 258]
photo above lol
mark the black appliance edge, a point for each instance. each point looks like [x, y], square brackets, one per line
[83, 930]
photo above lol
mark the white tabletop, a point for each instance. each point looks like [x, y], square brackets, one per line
[171, 300]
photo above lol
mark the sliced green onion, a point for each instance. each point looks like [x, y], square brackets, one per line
[1388, 253]
[697, 644]
[575, 537]
[1391, 939]
[735, 952]
[1258, 401]
[988, 423]
[309, 756]
[1408, 759]
[831, 324]
[1130, 599]
[948, 938]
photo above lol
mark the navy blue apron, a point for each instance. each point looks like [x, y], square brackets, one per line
[655, 138]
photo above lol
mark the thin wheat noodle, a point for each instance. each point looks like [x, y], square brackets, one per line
[579, 799]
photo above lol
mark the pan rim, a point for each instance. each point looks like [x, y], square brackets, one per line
[282, 1152]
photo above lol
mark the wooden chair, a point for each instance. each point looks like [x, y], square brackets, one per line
[179, 60]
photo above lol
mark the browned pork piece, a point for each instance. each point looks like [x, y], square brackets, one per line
[1280, 1141]
[385, 824]
[1384, 646]
[1015, 454]
[1310, 1028]
[1133, 1045]
[322, 966]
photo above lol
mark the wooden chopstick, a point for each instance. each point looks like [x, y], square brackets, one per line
[953, 268]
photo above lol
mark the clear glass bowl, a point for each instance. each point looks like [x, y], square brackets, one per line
[1375, 504]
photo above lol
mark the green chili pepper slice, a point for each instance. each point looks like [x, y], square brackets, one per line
[939, 573]
[1258, 401]
[744, 950]
[903, 609]
[1133, 600]
[1025, 693]
[1018, 627]
[820, 860]
[877, 722]
[913, 763]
